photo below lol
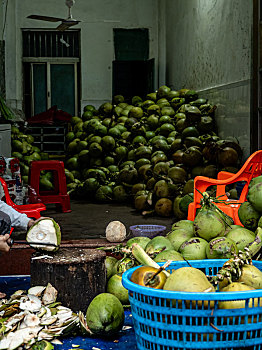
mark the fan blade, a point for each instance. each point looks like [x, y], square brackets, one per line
[45, 18]
[62, 27]
[67, 24]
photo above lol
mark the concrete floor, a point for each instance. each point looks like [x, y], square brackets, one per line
[89, 220]
[84, 227]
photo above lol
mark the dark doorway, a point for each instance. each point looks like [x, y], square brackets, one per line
[133, 71]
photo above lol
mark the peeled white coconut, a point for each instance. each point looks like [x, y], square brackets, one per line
[31, 320]
[36, 290]
[115, 231]
[45, 231]
[32, 304]
[50, 295]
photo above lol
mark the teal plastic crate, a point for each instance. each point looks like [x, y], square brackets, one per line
[167, 320]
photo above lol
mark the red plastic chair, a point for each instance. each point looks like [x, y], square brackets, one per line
[251, 168]
[31, 210]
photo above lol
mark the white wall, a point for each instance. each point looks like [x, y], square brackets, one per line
[98, 18]
[209, 49]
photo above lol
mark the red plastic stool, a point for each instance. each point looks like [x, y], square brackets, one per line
[59, 195]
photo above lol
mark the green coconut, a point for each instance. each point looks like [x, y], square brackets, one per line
[179, 236]
[231, 227]
[186, 200]
[241, 236]
[142, 241]
[169, 254]
[209, 224]
[178, 213]
[105, 315]
[187, 225]
[255, 246]
[221, 248]
[259, 224]
[194, 249]
[158, 244]
[255, 180]
[255, 196]
[251, 276]
[45, 230]
[238, 304]
[110, 264]
[45, 184]
[248, 215]
[114, 286]
[163, 207]
[190, 279]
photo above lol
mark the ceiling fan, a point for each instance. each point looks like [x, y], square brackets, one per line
[66, 23]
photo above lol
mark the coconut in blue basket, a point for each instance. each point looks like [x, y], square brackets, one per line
[148, 276]
[238, 304]
[189, 279]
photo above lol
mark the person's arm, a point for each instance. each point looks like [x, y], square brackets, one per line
[17, 219]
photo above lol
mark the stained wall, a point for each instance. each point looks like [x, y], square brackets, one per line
[208, 48]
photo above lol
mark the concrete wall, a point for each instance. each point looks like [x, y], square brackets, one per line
[2, 55]
[208, 48]
[98, 18]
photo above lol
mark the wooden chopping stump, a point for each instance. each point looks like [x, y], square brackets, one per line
[78, 275]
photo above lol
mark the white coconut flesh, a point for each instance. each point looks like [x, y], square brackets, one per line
[44, 231]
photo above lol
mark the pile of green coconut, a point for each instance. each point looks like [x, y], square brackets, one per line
[147, 151]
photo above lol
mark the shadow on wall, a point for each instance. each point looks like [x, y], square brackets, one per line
[233, 112]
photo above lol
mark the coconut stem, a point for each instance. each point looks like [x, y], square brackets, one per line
[232, 269]
[148, 212]
[187, 262]
[141, 256]
[161, 268]
[207, 201]
[116, 249]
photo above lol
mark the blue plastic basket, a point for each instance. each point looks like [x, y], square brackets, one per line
[147, 230]
[167, 320]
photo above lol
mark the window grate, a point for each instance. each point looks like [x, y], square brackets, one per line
[51, 43]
